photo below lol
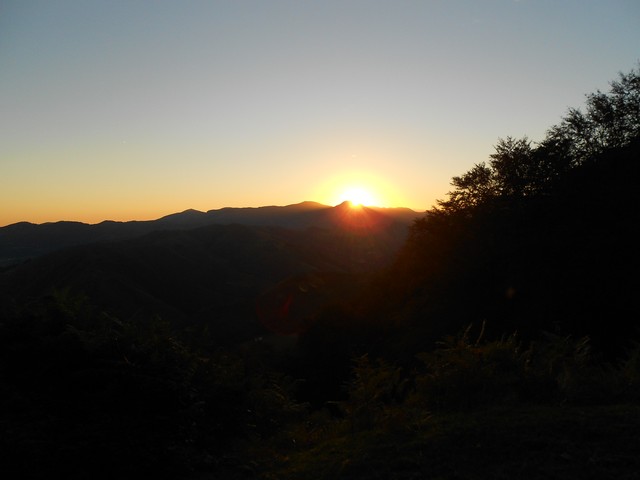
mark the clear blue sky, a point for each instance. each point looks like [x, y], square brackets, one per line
[136, 109]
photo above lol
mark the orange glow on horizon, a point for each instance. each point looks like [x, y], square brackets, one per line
[359, 188]
[358, 196]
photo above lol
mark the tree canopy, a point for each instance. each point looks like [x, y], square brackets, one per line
[520, 169]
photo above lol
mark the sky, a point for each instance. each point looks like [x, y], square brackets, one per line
[131, 110]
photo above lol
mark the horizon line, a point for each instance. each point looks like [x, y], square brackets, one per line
[205, 212]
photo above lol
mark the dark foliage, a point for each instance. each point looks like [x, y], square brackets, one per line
[540, 239]
[86, 395]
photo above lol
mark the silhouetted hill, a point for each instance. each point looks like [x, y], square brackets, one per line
[212, 274]
[24, 240]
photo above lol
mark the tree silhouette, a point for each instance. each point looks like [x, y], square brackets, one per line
[610, 120]
[518, 169]
[533, 238]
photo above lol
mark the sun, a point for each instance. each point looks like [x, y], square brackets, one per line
[359, 197]
[360, 188]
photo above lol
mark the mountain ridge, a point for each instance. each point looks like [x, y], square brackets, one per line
[234, 277]
[25, 240]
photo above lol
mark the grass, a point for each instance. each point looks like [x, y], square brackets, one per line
[526, 442]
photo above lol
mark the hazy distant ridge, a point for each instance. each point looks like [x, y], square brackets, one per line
[24, 240]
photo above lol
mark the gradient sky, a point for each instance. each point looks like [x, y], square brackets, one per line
[136, 109]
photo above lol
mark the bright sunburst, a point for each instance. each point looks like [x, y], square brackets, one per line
[359, 197]
[358, 187]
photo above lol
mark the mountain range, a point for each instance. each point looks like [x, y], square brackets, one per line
[24, 240]
[238, 272]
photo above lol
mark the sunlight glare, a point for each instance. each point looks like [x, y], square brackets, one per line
[360, 187]
[358, 197]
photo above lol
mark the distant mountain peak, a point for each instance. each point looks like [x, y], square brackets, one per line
[188, 211]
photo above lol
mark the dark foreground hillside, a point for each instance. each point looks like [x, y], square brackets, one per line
[84, 394]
